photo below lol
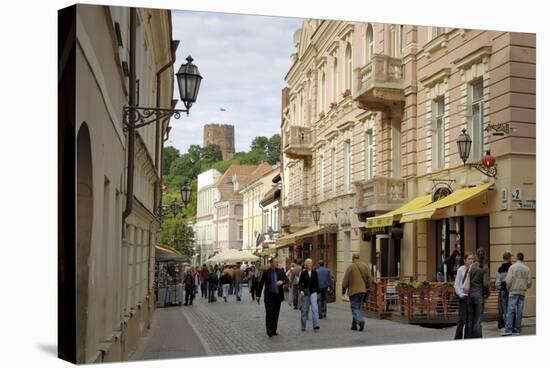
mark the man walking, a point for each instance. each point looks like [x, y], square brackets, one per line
[356, 279]
[518, 280]
[203, 274]
[500, 285]
[274, 280]
[238, 279]
[189, 285]
[324, 277]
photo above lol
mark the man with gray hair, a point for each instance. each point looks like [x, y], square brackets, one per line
[356, 280]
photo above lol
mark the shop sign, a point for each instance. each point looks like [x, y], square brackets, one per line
[527, 205]
[441, 190]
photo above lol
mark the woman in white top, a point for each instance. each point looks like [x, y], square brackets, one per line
[462, 286]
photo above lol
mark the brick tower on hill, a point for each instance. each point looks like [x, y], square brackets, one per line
[221, 134]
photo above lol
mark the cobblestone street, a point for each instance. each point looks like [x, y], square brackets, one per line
[238, 328]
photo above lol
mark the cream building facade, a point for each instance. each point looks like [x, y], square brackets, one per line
[204, 226]
[253, 214]
[370, 122]
[115, 254]
[228, 206]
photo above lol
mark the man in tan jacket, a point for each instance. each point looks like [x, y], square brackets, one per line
[356, 280]
[518, 280]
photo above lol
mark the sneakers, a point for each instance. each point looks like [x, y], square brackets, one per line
[316, 329]
[506, 333]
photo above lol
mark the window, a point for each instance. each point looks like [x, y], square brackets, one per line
[333, 170]
[476, 93]
[438, 137]
[369, 155]
[349, 67]
[396, 148]
[322, 93]
[437, 31]
[240, 232]
[369, 44]
[335, 80]
[347, 166]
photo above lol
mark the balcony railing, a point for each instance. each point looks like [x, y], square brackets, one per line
[379, 82]
[297, 215]
[298, 142]
[379, 194]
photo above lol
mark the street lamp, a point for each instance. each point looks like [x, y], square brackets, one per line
[487, 165]
[175, 206]
[316, 213]
[189, 81]
[186, 193]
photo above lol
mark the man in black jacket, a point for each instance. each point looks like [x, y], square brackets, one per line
[274, 279]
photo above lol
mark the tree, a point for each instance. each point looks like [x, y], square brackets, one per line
[212, 153]
[259, 143]
[273, 150]
[177, 234]
[169, 155]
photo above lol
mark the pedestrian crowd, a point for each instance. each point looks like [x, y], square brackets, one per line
[472, 289]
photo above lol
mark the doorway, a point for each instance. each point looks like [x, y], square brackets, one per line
[84, 216]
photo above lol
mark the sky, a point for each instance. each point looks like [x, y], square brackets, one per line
[243, 60]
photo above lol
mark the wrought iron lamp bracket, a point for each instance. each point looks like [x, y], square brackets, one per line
[488, 171]
[147, 115]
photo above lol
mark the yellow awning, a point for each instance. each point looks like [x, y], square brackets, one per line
[290, 238]
[452, 199]
[387, 218]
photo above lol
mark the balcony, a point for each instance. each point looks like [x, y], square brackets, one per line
[379, 194]
[297, 216]
[379, 83]
[298, 142]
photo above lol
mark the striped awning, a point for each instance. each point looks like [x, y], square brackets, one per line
[388, 218]
[452, 199]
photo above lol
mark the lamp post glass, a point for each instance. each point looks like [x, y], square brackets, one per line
[316, 213]
[189, 81]
[186, 193]
[464, 143]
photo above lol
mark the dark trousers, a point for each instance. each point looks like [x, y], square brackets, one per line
[322, 302]
[189, 296]
[462, 327]
[211, 294]
[296, 297]
[253, 291]
[475, 316]
[272, 308]
[203, 289]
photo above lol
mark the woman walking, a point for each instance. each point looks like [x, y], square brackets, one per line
[478, 293]
[225, 281]
[253, 281]
[462, 286]
[309, 289]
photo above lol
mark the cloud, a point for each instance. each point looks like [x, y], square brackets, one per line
[243, 60]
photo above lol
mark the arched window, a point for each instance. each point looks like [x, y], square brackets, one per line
[349, 68]
[369, 44]
[335, 80]
[322, 93]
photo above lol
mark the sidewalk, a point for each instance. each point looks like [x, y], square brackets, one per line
[170, 336]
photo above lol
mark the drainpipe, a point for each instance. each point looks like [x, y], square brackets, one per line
[158, 146]
[131, 121]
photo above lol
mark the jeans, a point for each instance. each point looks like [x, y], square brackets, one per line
[355, 302]
[514, 313]
[502, 308]
[323, 302]
[462, 327]
[238, 290]
[203, 289]
[476, 304]
[225, 288]
[309, 300]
